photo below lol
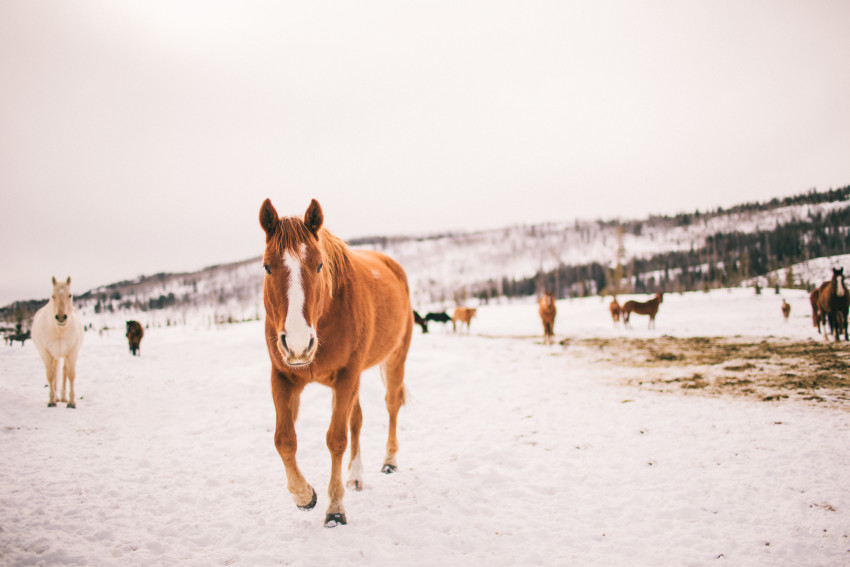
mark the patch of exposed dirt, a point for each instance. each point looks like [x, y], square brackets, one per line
[769, 370]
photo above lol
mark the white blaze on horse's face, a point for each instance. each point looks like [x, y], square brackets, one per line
[840, 288]
[298, 341]
[62, 304]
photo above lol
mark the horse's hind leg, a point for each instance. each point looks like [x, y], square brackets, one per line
[355, 465]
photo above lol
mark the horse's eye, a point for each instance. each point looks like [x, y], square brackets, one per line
[267, 269]
[319, 269]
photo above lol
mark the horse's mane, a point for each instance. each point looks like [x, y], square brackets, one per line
[292, 232]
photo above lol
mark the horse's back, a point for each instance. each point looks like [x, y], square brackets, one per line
[379, 266]
[381, 293]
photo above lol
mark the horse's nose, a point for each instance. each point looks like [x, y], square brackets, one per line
[283, 343]
[61, 318]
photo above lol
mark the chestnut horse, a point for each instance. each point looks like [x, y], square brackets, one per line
[643, 308]
[546, 309]
[833, 303]
[57, 333]
[786, 309]
[615, 309]
[813, 299]
[331, 313]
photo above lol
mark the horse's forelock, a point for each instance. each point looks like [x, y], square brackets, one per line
[292, 233]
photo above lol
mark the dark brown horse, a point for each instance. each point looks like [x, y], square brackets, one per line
[331, 312]
[546, 309]
[135, 332]
[643, 308]
[833, 304]
[813, 299]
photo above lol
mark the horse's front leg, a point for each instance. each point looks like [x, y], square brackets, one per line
[69, 374]
[51, 366]
[286, 397]
[345, 396]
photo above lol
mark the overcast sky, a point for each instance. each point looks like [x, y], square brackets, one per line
[139, 137]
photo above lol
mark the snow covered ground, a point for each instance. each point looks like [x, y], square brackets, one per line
[512, 453]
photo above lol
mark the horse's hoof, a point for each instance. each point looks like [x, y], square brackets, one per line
[51, 405]
[312, 502]
[389, 469]
[334, 520]
[355, 484]
[72, 406]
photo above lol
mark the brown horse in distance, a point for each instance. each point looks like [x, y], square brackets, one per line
[615, 309]
[463, 315]
[833, 304]
[786, 309]
[546, 309]
[813, 300]
[331, 312]
[135, 332]
[643, 308]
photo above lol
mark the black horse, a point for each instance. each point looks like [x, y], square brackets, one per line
[438, 317]
[18, 337]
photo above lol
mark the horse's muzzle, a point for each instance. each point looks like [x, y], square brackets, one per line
[293, 358]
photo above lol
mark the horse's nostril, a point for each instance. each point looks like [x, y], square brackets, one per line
[283, 342]
[312, 342]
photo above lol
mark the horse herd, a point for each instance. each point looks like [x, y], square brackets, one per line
[316, 290]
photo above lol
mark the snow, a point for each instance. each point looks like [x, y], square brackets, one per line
[512, 453]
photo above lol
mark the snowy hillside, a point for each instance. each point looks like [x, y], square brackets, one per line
[450, 268]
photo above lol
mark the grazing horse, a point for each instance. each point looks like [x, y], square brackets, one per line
[417, 318]
[135, 332]
[643, 308]
[438, 317]
[463, 315]
[18, 335]
[331, 313]
[546, 309]
[57, 332]
[786, 309]
[833, 304]
[615, 309]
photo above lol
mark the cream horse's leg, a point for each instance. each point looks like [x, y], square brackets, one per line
[69, 373]
[51, 366]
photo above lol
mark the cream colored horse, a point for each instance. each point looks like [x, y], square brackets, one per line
[57, 332]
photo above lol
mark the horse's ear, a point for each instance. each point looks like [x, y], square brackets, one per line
[314, 218]
[268, 218]
[69, 280]
[54, 280]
